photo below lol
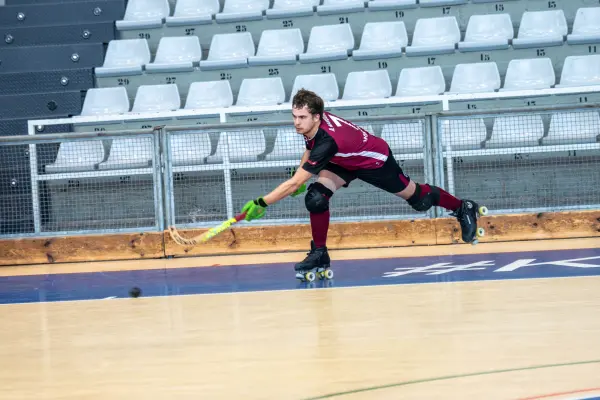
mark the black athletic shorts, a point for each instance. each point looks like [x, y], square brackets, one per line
[388, 177]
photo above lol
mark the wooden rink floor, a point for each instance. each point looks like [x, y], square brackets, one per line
[516, 320]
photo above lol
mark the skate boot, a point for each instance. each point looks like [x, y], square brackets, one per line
[316, 259]
[467, 215]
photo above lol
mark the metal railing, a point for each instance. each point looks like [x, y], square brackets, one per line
[131, 180]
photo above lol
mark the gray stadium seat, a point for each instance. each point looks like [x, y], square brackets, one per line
[289, 145]
[382, 40]
[103, 101]
[585, 27]
[278, 46]
[214, 94]
[541, 28]
[434, 36]
[516, 131]
[475, 78]
[77, 156]
[328, 43]
[192, 12]
[144, 14]
[488, 32]
[573, 127]
[581, 71]
[367, 85]
[176, 54]
[534, 73]
[229, 50]
[421, 81]
[242, 10]
[261, 92]
[243, 146]
[325, 85]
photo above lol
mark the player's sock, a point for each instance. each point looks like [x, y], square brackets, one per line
[446, 201]
[319, 224]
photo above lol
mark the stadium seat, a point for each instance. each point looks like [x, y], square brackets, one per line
[488, 32]
[229, 50]
[289, 145]
[189, 148]
[242, 10]
[340, 6]
[585, 27]
[463, 133]
[211, 94]
[244, 146]
[580, 71]
[434, 36]
[292, 8]
[382, 40]
[516, 131]
[475, 78]
[404, 137]
[541, 28]
[125, 57]
[532, 73]
[144, 14]
[176, 54]
[328, 42]
[573, 128]
[156, 98]
[325, 85]
[278, 46]
[77, 156]
[193, 12]
[261, 92]
[105, 101]
[367, 85]
[422, 81]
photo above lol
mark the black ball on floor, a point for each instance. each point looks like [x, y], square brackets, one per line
[135, 292]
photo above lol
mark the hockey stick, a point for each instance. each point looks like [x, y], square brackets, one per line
[206, 236]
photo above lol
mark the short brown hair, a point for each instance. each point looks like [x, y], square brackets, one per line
[311, 100]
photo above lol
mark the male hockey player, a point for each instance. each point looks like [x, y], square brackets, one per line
[339, 152]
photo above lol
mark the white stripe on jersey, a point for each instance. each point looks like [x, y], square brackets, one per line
[370, 154]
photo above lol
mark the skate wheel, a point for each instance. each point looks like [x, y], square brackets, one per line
[483, 210]
[480, 232]
[328, 274]
[310, 276]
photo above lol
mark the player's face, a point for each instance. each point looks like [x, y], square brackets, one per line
[304, 121]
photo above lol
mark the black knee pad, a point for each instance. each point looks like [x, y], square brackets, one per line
[317, 198]
[429, 200]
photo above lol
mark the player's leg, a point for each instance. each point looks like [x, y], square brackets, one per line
[317, 203]
[421, 197]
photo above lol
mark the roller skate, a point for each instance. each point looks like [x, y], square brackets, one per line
[467, 215]
[317, 259]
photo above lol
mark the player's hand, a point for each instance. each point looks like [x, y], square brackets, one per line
[254, 209]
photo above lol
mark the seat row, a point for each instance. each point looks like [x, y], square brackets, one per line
[152, 19]
[526, 74]
[331, 48]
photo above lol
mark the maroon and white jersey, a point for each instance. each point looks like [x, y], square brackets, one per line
[341, 142]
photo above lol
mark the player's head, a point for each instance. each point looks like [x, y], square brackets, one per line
[307, 110]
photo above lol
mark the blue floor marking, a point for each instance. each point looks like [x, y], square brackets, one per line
[280, 276]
